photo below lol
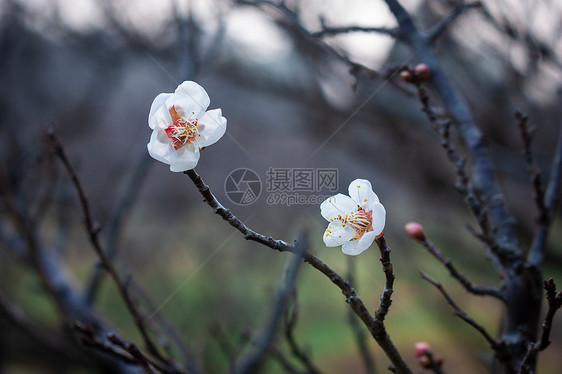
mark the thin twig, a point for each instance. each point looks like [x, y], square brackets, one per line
[536, 255]
[535, 173]
[442, 128]
[283, 361]
[290, 321]
[387, 268]
[118, 218]
[463, 280]
[497, 346]
[253, 361]
[554, 303]
[124, 351]
[330, 31]
[93, 230]
[483, 176]
[437, 30]
[358, 332]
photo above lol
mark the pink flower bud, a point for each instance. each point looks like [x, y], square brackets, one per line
[421, 72]
[415, 231]
[421, 349]
[406, 76]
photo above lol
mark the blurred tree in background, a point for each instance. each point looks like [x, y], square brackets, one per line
[311, 84]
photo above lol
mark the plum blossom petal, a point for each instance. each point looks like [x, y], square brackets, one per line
[355, 220]
[361, 192]
[337, 205]
[181, 126]
[378, 215]
[336, 234]
[158, 113]
[355, 247]
[189, 98]
[213, 127]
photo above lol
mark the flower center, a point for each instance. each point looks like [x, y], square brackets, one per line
[360, 220]
[183, 131]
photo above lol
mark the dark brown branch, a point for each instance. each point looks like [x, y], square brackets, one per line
[249, 234]
[118, 217]
[483, 176]
[253, 361]
[442, 128]
[283, 361]
[93, 230]
[463, 280]
[526, 134]
[437, 30]
[385, 299]
[330, 31]
[554, 303]
[290, 321]
[311, 45]
[358, 332]
[497, 346]
[376, 326]
[536, 255]
[124, 351]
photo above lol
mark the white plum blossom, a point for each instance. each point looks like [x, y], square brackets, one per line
[182, 126]
[355, 220]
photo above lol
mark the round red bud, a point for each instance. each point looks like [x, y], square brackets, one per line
[415, 231]
[406, 76]
[421, 348]
[422, 72]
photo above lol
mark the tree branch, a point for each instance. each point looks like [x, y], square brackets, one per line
[330, 31]
[93, 230]
[437, 30]
[358, 332]
[483, 175]
[498, 347]
[376, 326]
[118, 217]
[290, 321]
[252, 362]
[536, 255]
[463, 280]
[554, 303]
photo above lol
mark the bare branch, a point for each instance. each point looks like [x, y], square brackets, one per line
[387, 268]
[358, 332]
[376, 326]
[119, 216]
[463, 185]
[330, 31]
[252, 362]
[437, 30]
[498, 347]
[290, 320]
[211, 200]
[554, 303]
[463, 280]
[93, 230]
[483, 176]
[535, 172]
[124, 351]
[536, 255]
